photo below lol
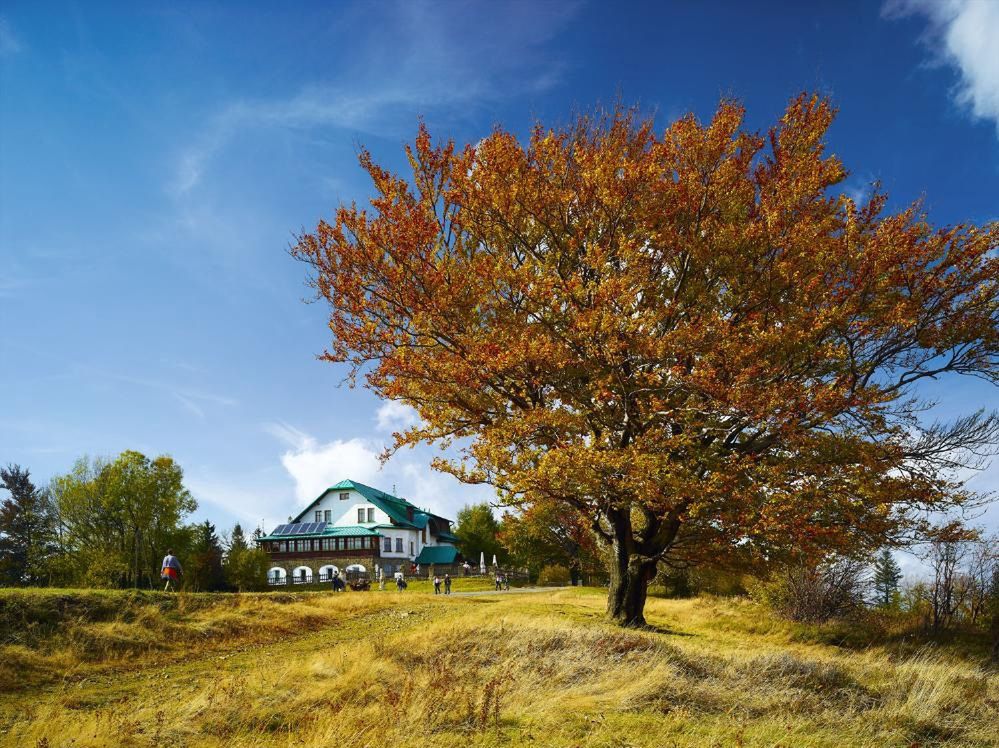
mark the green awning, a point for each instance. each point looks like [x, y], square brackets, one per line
[437, 554]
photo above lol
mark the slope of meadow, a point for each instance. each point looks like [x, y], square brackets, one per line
[109, 669]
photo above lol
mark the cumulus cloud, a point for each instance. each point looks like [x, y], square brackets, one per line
[315, 465]
[965, 35]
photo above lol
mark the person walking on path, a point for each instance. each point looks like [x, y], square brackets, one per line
[447, 584]
[499, 582]
[437, 585]
[400, 583]
[171, 571]
[506, 581]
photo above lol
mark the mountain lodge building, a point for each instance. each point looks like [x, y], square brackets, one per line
[354, 527]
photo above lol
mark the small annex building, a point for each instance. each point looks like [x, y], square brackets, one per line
[352, 527]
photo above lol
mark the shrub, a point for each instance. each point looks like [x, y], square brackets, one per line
[816, 592]
[553, 576]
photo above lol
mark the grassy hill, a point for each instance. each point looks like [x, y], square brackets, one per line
[382, 668]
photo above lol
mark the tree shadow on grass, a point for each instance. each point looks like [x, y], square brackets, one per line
[655, 628]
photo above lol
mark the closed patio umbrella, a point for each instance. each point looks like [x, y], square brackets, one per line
[482, 562]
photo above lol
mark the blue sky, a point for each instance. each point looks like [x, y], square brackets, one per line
[156, 159]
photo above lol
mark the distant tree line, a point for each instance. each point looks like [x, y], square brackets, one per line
[108, 523]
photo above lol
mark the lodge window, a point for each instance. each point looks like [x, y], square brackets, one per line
[328, 544]
[412, 552]
[360, 514]
[344, 496]
[319, 516]
[327, 516]
[283, 547]
[387, 545]
[371, 514]
[398, 545]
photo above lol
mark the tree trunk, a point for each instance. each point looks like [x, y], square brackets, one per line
[629, 585]
[630, 574]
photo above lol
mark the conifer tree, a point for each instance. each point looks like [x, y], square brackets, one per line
[27, 529]
[204, 572]
[887, 575]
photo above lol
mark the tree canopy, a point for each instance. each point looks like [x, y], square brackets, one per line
[688, 336]
[121, 515]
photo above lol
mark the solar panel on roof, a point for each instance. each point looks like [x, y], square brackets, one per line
[279, 530]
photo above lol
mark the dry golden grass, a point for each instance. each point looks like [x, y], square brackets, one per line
[536, 669]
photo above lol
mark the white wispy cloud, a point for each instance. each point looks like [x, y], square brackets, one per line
[192, 406]
[396, 416]
[10, 44]
[418, 58]
[965, 35]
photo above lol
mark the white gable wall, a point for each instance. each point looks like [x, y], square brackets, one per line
[343, 512]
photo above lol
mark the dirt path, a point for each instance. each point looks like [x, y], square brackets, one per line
[511, 591]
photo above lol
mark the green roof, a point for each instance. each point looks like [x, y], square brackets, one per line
[395, 507]
[331, 531]
[448, 537]
[437, 554]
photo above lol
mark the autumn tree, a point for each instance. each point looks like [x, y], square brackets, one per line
[689, 335]
[545, 534]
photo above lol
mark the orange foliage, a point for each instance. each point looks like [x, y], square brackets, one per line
[688, 336]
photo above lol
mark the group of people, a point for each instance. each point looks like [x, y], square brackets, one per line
[447, 584]
[502, 581]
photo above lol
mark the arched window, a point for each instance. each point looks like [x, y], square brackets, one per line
[277, 575]
[326, 573]
[301, 575]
